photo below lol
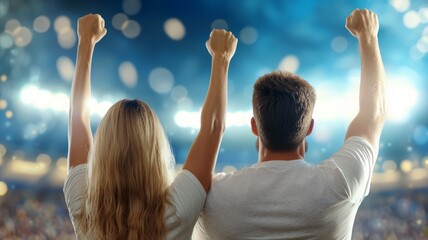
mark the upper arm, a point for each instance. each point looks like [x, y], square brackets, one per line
[356, 160]
[202, 154]
[368, 128]
[79, 139]
[73, 189]
[188, 197]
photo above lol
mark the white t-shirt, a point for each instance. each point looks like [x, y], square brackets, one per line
[290, 199]
[187, 194]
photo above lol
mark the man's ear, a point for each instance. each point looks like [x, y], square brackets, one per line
[254, 127]
[311, 127]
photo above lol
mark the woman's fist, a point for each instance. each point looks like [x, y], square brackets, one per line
[91, 27]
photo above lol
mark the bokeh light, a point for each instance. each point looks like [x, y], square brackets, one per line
[131, 7]
[3, 104]
[389, 165]
[67, 38]
[406, 166]
[400, 5]
[61, 163]
[220, 24]
[62, 24]
[425, 162]
[289, 63]
[248, 35]
[6, 41]
[3, 78]
[8, 114]
[185, 104]
[119, 20]
[423, 15]
[22, 36]
[131, 29]
[339, 44]
[411, 19]
[44, 159]
[11, 26]
[174, 29]
[41, 24]
[161, 80]
[65, 68]
[3, 150]
[128, 74]
[3, 188]
[178, 93]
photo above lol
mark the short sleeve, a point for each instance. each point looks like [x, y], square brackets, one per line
[74, 186]
[188, 198]
[356, 160]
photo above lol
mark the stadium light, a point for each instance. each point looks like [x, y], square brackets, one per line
[58, 102]
[331, 105]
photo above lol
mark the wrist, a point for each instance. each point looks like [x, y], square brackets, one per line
[87, 42]
[222, 58]
[367, 38]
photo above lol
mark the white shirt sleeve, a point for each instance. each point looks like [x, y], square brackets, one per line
[356, 160]
[74, 186]
[188, 198]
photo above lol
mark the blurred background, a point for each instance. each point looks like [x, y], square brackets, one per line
[155, 51]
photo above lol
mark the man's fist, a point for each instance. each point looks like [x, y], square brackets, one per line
[362, 23]
[221, 43]
[91, 27]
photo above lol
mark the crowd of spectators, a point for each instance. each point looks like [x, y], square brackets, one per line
[30, 214]
[41, 214]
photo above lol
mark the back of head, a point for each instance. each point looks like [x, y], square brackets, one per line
[282, 106]
[129, 176]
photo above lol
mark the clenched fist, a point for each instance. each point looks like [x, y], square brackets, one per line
[362, 23]
[91, 27]
[221, 43]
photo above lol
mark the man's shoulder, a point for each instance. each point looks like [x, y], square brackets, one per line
[230, 176]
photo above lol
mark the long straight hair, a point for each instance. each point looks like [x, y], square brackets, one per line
[129, 174]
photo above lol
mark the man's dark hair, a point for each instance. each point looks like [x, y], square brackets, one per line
[283, 104]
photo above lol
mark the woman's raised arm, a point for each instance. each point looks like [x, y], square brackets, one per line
[204, 151]
[90, 30]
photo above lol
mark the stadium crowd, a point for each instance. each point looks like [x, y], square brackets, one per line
[41, 214]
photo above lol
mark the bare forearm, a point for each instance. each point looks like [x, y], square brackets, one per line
[79, 132]
[372, 86]
[81, 87]
[213, 116]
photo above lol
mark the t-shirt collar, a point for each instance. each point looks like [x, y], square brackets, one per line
[278, 163]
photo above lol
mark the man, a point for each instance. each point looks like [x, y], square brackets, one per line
[282, 196]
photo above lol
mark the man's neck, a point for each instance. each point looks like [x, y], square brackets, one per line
[268, 155]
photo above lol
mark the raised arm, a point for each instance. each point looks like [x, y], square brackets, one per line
[90, 30]
[203, 153]
[368, 123]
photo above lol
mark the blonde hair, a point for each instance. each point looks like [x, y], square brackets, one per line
[129, 174]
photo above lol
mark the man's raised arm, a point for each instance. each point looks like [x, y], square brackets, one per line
[368, 123]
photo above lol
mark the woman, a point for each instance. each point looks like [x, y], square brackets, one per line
[120, 186]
